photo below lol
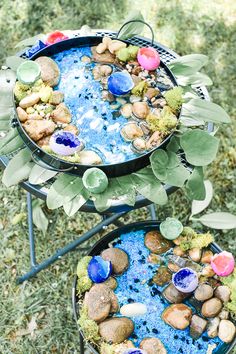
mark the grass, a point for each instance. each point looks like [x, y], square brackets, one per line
[36, 317]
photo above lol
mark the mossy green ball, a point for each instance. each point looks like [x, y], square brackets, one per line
[95, 180]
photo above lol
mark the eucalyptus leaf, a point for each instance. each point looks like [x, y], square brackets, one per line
[39, 218]
[188, 64]
[18, 168]
[190, 122]
[7, 82]
[76, 203]
[134, 28]
[199, 205]
[11, 142]
[159, 162]
[30, 41]
[177, 176]
[195, 185]
[173, 144]
[197, 79]
[200, 147]
[14, 62]
[199, 109]
[219, 220]
[103, 201]
[39, 175]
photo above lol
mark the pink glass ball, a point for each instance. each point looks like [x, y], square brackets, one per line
[223, 263]
[148, 58]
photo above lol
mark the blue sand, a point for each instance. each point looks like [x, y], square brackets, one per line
[139, 289]
[99, 123]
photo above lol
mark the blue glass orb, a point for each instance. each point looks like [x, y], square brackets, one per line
[99, 270]
[120, 83]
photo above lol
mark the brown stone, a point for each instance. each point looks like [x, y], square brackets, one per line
[37, 129]
[111, 283]
[162, 276]
[116, 329]
[61, 114]
[206, 256]
[211, 307]
[105, 57]
[203, 292]
[23, 116]
[177, 316]
[50, 72]
[153, 346]
[223, 292]
[173, 295]
[197, 326]
[118, 258]
[156, 243]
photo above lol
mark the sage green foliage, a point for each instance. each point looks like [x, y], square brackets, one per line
[212, 31]
[88, 326]
[84, 282]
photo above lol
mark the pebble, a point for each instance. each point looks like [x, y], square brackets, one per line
[213, 325]
[197, 326]
[111, 283]
[162, 276]
[140, 109]
[224, 314]
[118, 258]
[226, 331]
[38, 129]
[89, 157]
[211, 308]
[130, 131]
[151, 93]
[173, 295]
[153, 346]
[56, 97]
[133, 310]
[223, 292]
[173, 267]
[116, 330]
[156, 243]
[178, 251]
[61, 114]
[134, 98]
[206, 256]
[50, 72]
[195, 254]
[23, 116]
[203, 292]
[177, 316]
[29, 100]
[139, 145]
[126, 110]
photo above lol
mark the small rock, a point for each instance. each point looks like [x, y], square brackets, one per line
[107, 96]
[118, 258]
[151, 92]
[105, 70]
[174, 268]
[71, 128]
[162, 276]
[89, 157]
[29, 100]
[139, 145]
[224, 314]
[50, 72]
[85, 59]
[154, 141]
[207, 271]
[154, 258]
[44, 141]
[195, 254]
[106, 40]
[133, 310]
[61, 114]
[111, 283]
[226, 331]
[23, 116]
[212, 330]
[178, 251]
[206, 256]
[197, 326]
[116, 348]
[156, 243]
[134, 98]
[116, 330]
[159, 103]
[105, 57]
[173, 295]
[177, 316]
[145, 128]
[37, 129]
[203, 292]
[126, 110]
[115, 45]
[130, 131]
[56, 97]
[101, 47]
[140, 109]
[212, 307]
[153, 346]
[223, 292]
[136, 79]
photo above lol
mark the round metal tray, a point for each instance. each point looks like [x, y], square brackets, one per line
[104, 243]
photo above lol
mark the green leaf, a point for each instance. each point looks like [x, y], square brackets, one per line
[159, 161]
[177, 176]
[7, 82]
[76, 203]
[197, 79]
[195, 185]
[134, 28]
[11, 142]
[199, 205]
[190, 122]
[65, 188]
[30, 41]
[14, 62]
[148, 185]
[219, 220]
[200, 147]
[199, 109]
[188, 64]
[39, 218]
[39, 175]
[104, 200]
[18, 168]
[173, 145]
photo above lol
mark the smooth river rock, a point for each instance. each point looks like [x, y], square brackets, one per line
[153, 346]
[156, 243]
[203, 292]
[211, 307]
[177, 316]
[212, 329]
[223, 292]
[226, 331]
[173, 295]
[133, 310]
[162, 276]
[116, 330]
[50, 72]
[118, 258]
[197, 326]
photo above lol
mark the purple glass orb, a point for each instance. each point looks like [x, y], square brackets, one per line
[185, 280]
[99, 270]
[64, 143]
[120, 83]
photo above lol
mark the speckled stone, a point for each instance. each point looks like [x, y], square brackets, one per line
[173, 295]
[162, 276]
[156, 243]
[153, 346]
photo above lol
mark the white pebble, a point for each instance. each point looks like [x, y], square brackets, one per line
[133, 310]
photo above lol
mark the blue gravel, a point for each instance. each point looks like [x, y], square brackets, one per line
[99, 125]
[135, 286]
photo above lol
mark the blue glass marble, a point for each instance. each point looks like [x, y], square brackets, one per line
[99, 270]
[35, 48]
[120, 83]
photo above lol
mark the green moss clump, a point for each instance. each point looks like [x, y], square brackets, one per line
[20, 90]
[174, 98]
[37, 85]
[45, 93]
[84, 282]
[73, 158]
[163, 124]
[127, 54]
[230, 281]
[190, 239]
[140, 88]
[88, 326]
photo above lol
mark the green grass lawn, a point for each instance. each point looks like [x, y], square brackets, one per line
[36, 317]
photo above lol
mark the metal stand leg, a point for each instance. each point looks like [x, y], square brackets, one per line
[81, 340]
[152, 211]
[36, 268]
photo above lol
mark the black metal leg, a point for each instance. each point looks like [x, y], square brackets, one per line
[81, 340]
[36, 268]
[152, 211]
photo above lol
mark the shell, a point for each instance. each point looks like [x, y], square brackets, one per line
[130, 131]
[140, 109]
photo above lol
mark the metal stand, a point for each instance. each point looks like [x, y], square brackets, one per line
[37, 267]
